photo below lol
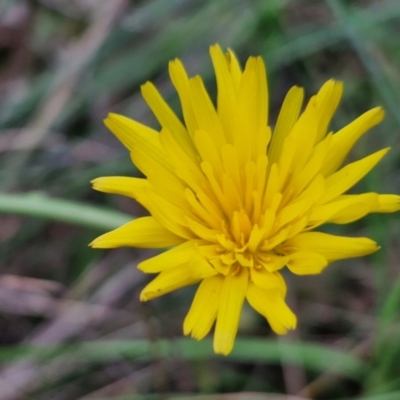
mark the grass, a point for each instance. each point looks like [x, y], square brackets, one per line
[72, 324]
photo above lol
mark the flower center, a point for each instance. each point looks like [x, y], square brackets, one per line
[239, 242]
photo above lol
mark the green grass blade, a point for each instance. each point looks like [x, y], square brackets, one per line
[357, 40]
[41, 206]
[310, 356]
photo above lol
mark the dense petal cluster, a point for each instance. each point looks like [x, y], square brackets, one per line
[236, 202]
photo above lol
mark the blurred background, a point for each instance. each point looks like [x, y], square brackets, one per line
[71, 324]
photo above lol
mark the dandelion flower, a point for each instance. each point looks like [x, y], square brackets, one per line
[237, 203]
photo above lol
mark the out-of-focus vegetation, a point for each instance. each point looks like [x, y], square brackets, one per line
[71, 324]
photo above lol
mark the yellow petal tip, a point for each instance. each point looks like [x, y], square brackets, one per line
[95, 244]
[95, 183]
[144, 297]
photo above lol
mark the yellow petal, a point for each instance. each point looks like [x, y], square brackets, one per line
[203, 310]
[178, 255]
[162, 179]
[208, 150]
[209, 251]
[344, 140]
[245, 113]
[287, 118]
[304, 134]
[126, 130]
[216, 190]
[169, 215]
[271, 187]
[307, 263]
[186, 168]
[248, 115]
[209, 204]
[268, 280]
[300, 179]
[180, 80]
[206, 214]
[207, 117]
[220, 266]
[348, 176]
[201, 231]
[271, 304]
[226, 98]
[356, 210]
[256, 236]
[233, 199]
[234, 69]
[314, 190]
[167, 117]
[201, 268]
[168, 281]
[388, 203]
[293, 211]
[262, 92]
[329, 246]
[272, 262]
[345, 209]
[142, 232]
[279, 237]
[328, 99]
[232, 165]
[261, 142]
[131, 187]
[134, 135]
[230, 306]
[287, 161]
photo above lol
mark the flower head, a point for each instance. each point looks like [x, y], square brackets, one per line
[238, 203]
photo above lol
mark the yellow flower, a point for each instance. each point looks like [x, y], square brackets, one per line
[237, 203]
